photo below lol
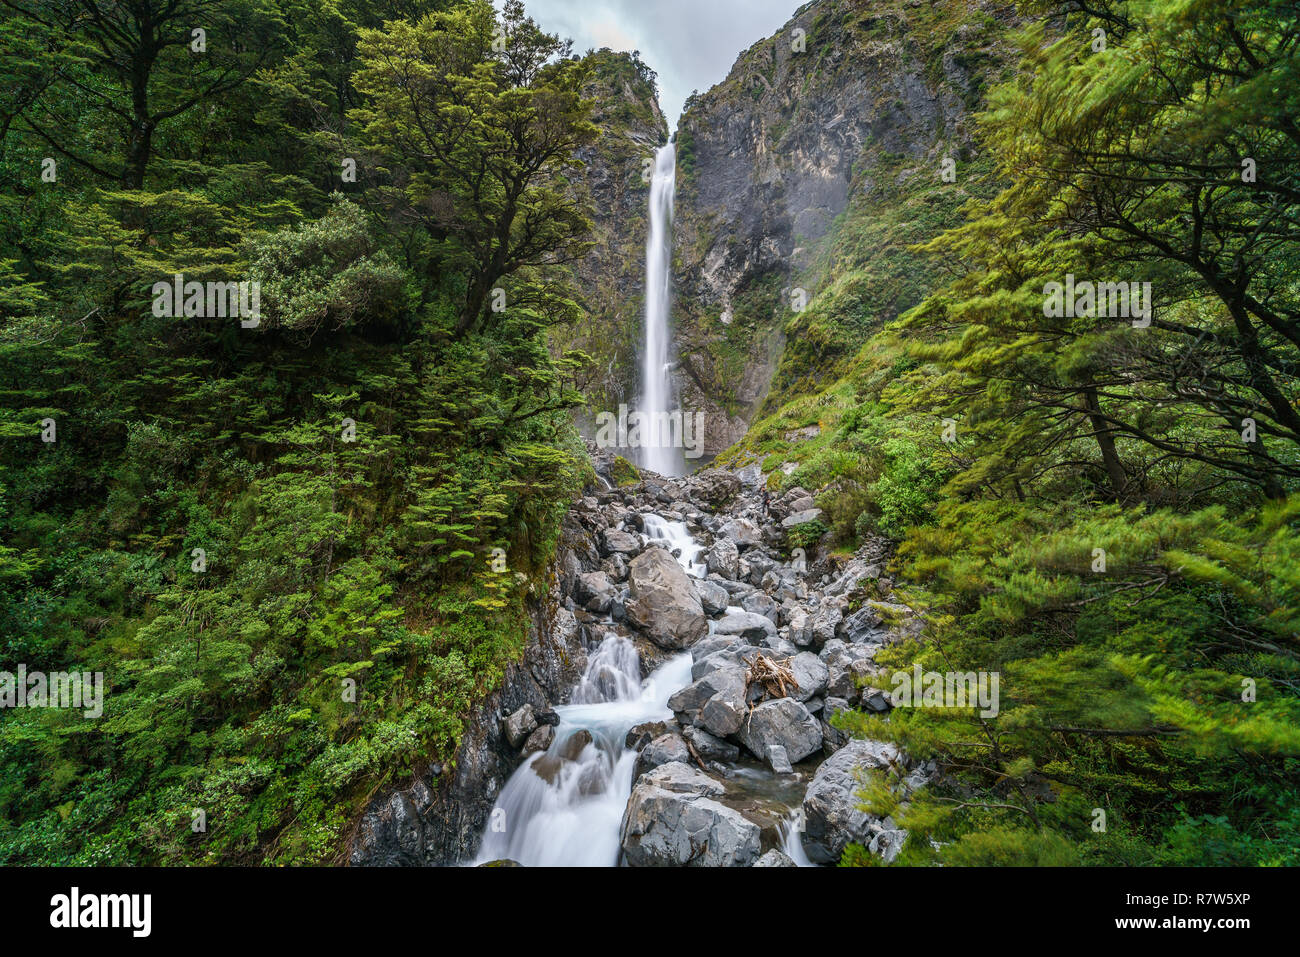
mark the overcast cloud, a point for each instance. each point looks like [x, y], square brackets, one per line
[691, 44]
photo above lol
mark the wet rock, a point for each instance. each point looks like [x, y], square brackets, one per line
[713, 597]
[671, 821]
[831, 815]
[540, 739]
[520, 725]
[391, 834]
[784, 722]
[774, 858]
[642, 734]
[663, 601]
[811, 673]
[710, 747]
[664, 749]
[724, 559]
[746, 624]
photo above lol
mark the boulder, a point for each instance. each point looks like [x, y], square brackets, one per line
[713, 597]
[784, 722]
[540, 739]
[671, 820]
[760, 604]
[663, 601]
[830, 806]
[746, 624]
[715, 486]
[642, 734]
[741, 531]
[596, 592]
[724, 559]
[614, 541]
[520, 725]
[774, 858]
[811, 673]
[664, 749]
[802, 517]
[710, 747]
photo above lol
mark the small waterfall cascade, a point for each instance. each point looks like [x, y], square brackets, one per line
[563, 806]
[661, 450]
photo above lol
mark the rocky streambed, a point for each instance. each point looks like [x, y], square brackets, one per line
[674, 705]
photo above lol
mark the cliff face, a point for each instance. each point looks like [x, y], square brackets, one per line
[612, 277]
[813, 126]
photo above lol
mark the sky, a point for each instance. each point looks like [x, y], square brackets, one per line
[691, 44]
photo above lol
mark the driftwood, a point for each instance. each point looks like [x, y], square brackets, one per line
[775, 677]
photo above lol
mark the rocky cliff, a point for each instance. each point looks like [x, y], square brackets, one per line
[817, 126]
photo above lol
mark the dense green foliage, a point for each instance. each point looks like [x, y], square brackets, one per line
[299, 549]
[1102, 511]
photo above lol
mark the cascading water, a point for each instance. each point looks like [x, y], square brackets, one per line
[659, 453]
[563, 806]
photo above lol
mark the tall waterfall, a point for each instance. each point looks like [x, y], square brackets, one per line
[658, 453]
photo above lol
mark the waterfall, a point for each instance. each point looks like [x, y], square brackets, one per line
[563, 806]
[660, 453]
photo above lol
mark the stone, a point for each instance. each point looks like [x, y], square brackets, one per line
[663, 601]
[803, 517]
[642, 734]
[540, 739]
[741, 531]
[710, 747]
[746, 624]
[832, 819]
[778, 760]
[614, 541]
[811, 673]
[520, 725]
[671, 821]
[760, 604]
[713, 597]
[724, 559]
[596, 592]
[775, 858]
[784, 722]
[664, 749]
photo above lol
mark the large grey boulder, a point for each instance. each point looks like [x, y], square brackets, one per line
[830, 806]
[716, 702]
[663, 601]
[671, 820]
[520, 725]
[664, 749]
[714, 599]
[760, 604]
[811, 673]
[803, 517]
[615, 541]
[747, 624]
[724, 559]
[715, 486]
[775, 858]
[742, 531]
[784, 722]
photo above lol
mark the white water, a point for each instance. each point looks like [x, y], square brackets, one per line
[658, 452]
[678, 537]
[557, 812]
[564, 810]
[792, 838]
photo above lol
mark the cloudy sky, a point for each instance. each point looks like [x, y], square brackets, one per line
[691, 44]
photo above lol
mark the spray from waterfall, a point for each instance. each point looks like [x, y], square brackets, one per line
[659, 452]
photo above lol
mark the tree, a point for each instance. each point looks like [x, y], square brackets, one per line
[480, 122]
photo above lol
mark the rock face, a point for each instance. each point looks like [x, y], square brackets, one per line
[806, 127]
[673, 821]
[830, 807]
[664, 602]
